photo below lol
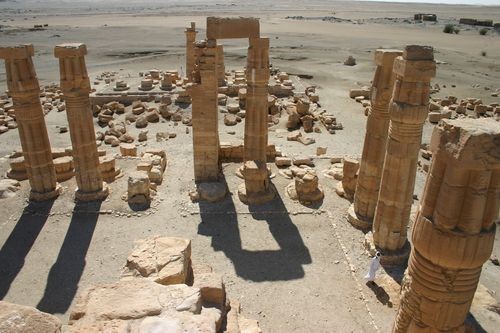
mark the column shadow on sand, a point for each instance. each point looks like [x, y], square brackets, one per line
[65, 274]
[15, 249]
[220, 221]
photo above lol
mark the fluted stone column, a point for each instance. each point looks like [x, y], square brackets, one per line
[203, 92]
[362, 211]
[75, 85]
[455, 227]
[408, 111]
[257, 188]
[190, 50]
[221, 68]
[24, 88]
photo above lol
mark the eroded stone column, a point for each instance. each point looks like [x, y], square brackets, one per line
[204, 113]
[408, 111]
[24, 88]
[362, 211]
[190, 50]
[257, 188]
[221, 68]
[75, 85]
[455, 227]
[255, 143]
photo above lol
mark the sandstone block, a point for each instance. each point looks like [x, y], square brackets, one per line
[164, 260]
[24, 319]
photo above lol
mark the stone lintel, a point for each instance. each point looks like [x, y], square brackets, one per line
[22, 51]
[418, 52]
[70, 50]
[229, 27]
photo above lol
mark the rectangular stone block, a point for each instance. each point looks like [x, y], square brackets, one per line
[414, 70]
[242, 27]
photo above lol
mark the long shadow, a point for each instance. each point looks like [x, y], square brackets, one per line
[65, 274]
[220, 221]
[15, 249]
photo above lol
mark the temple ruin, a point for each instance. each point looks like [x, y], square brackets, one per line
[245, 202]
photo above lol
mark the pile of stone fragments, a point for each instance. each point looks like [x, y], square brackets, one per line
[161, 290]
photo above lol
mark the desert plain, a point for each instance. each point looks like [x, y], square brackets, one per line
[293, 268]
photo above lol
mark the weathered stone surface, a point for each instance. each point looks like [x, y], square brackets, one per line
[212, 288]
[133, 299]
[138, 189]
[450, 245]
[8, 188]
[16, 318]
[165, 260]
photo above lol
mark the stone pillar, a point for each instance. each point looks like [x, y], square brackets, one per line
[190, 50]
[75, 85]
[204, 113]
[257, 188]
[221, 69]
[24, 88]
[408, 112]
[362, 211]
[257, 73]
[455, 227]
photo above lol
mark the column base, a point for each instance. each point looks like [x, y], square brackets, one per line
[111, 175]
[339, 189]
[37, 196]
[256, 198]
[357, 221]
[388, 258]
[239, 172]
[92, 196]
[307, 198]
[211, 191]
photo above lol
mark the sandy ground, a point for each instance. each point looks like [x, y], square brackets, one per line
[294, 268]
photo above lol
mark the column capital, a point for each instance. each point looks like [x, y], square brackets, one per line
[21, 75]
[70, 50]
[17, 52]
[74, 77]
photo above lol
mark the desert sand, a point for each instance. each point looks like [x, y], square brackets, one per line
[294, 268]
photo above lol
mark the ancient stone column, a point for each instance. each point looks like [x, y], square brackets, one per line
[190, 50]
[221, 69]
[204, 113]
[75, 85]
[255, 142]
[24, 88]
[257, 188]
[362, 211]
[455, 227]
[408, 112]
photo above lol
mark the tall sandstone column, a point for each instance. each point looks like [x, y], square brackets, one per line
[455, 227]
[190, 50]
[204, 115]
[257, 188]
[408, 111]
[255, 142]
[75, 85]
[24, 88]
[362, 211]
[221, 68]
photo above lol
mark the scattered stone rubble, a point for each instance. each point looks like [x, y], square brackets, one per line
[160, 290]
